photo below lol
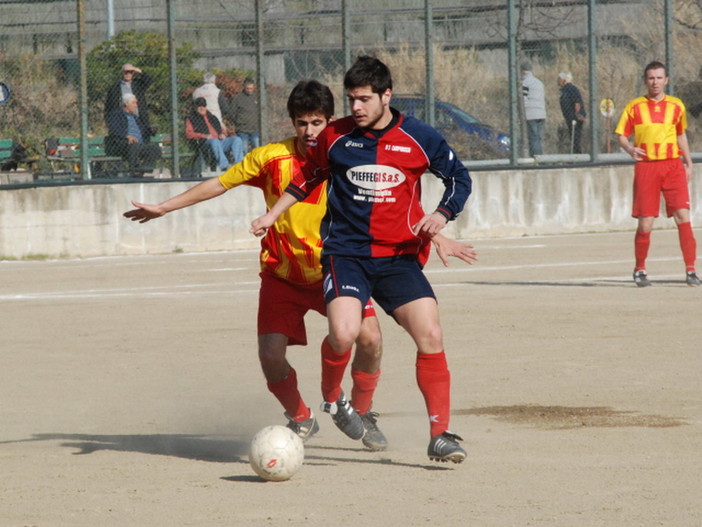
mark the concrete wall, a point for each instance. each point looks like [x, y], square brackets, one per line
[85, 220]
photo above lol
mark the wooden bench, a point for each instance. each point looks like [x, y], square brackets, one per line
[12, 157]
[64, 155]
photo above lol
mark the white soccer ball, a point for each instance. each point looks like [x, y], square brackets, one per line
[276, 453]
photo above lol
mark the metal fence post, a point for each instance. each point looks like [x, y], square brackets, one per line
[261, 77]
[346, 44]
[669, 61]
[173, 74]
[429, 62]
[514, 106]
[592, 83]
[83, 93]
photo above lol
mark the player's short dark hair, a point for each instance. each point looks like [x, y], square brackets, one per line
[368, 71]
[655, 65]
[310, 96]
[200, 101]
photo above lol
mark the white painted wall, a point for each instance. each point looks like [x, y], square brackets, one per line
[85, 220]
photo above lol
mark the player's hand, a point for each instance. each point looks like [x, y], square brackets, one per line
[446, 247]
[638, 153]
[143, 212]
[429, 225]
[260, 225]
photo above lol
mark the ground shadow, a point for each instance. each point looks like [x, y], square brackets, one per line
[219, 449]
[188, 446]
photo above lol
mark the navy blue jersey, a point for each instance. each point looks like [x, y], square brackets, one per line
[374, 189]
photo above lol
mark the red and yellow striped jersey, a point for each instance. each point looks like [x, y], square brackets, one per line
[655, 125]
[291, 249]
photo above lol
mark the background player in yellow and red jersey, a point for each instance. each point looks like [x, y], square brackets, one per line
[291, 276]
[658, 122]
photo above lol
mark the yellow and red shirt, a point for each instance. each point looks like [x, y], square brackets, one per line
[655, 126]
[291, 249]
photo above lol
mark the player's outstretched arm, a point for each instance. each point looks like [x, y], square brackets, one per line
[203, 191]
[260, 225]
[446, 247]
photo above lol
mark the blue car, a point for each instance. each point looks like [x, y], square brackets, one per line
[470, 138]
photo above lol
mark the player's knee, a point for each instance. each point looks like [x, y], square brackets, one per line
[271, 359]
[341, 341]
[432, 340]
[369, 342]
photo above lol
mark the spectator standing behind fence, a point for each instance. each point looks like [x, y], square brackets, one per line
[658, 121]
[129, 138]
[213, 95]
[134, 81]
[573, 109]
[205, 130]
[534, 109]
[243, 113]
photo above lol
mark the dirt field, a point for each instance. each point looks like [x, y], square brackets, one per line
[130, 388]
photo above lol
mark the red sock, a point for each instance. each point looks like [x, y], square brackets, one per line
[434, 381]
[333, 368]
[364, 385]
[688, 244]
[642, 241]
[287, 393]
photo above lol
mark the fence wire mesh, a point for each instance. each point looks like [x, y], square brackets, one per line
[458, 65]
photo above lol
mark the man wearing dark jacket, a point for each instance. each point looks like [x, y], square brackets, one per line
[243, 113]
[134, 81]
[204, 129]
[573, 110]
[129, 138]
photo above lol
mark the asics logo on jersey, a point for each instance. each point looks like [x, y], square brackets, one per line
[375, 177]
[353, 144]
[349, 288]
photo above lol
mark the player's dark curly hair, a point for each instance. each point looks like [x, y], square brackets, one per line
[368, 71]
[310, 96]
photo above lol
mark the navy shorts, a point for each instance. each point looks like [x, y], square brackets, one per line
[392, 282]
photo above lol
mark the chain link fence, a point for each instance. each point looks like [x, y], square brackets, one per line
[461, 66]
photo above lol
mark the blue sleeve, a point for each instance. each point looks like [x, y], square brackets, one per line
[454, 175]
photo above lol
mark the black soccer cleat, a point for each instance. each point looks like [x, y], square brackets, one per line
[641, 279]
[692, 279]
[373, 439]
[305, 429]
[345, 417]
[444, 447]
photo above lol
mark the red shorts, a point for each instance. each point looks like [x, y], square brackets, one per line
[651, 178]
[282, 307]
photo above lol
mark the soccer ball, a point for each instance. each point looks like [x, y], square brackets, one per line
[276, 453]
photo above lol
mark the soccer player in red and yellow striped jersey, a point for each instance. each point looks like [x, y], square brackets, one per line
[291, 276]
[657, 122]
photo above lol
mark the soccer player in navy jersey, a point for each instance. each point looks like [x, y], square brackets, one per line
[377, 236]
